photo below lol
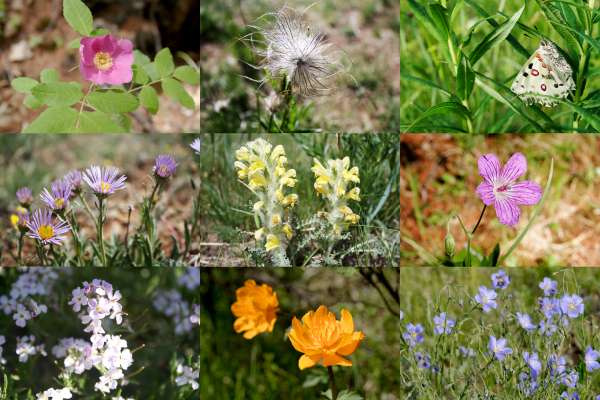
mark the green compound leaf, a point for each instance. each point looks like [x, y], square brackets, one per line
[53, 120]
[75, 44]
[74, 129]
[113, 101]
[149, 68]
[76, 84]
[187, 74]
[57, 94]
[174, 89]
[140, 58]
[49, 75]
[163, 63]
[532, 218]
[149, 99]
[23, 85]
[99, 32]
[139, 74]
[79, 16]
[123, 121]
[32, 103]
[97, 122]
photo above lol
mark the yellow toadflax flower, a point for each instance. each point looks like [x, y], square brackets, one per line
[272, 242]
[242, 154]
[259, 233]
[286, 179]
[277, 151]
[322, 337]
[257, 180]
[256, 307]
[290, 199]
[286, 229]
[258, 205]
[243, 170]
[351, 175]
[353, 194]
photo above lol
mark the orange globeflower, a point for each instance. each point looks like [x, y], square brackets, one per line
[323, 337]
[256, 307]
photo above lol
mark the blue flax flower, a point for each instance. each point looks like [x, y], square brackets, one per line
[486, 298]
[591, 356]
[525, 322]
[413, 333]
[548, 286]
[572, 305]
[442, 323]
[500, 280]
[498, 347]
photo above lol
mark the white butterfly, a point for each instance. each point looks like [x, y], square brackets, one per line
[546, 72]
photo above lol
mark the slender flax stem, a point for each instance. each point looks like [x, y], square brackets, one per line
[100, 236]
[332, 381]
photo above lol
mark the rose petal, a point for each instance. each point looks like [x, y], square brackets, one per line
[525, 193]
[489, 167]
[486, 192]
[91, 73]
[508, 213]
[514, 168]
[108, 43]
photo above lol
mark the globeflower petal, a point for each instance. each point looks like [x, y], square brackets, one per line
[335, 359]
[347, 322]
[307, 361]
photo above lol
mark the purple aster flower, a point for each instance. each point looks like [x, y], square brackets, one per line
[498, 347]
[59, 199]
[486, 298]
[422, 361]
[413, 333]
[25, 197]
[165, 167]
[75, 179]
[572, 305]
[574, 395]
[501, 189]
[533, 363]
[102, 181]
[500, 280]
[549, 307]
[47, 231]
[560, 366]
[591, 356]
[23, 216]
[525, 322]
[196, 146]
[548, 286]
[442, 323]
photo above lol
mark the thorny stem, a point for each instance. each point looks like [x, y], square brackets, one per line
[332, 381]
[100, 236]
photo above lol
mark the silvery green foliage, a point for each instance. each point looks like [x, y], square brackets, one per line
[294, 50]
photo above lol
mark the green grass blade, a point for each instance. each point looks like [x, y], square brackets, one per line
[534, 215]
[443, 108]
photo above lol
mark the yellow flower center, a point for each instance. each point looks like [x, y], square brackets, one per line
[163, 171]
[46, 232]
[572, 307]
[59, 202]
[103, 187]
[103, 61]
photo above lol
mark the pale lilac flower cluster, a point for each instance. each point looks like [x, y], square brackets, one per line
[195, 318]
[26, 348]
[108, 353]
[55, 394]
[172, 305]
[188, 377]
[190, 278]
[2, 341]
[35, 282]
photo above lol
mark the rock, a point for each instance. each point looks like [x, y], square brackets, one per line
[20, 51]
[13, 25]
[16, 5]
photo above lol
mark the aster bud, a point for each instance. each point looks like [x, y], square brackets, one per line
[450, 244]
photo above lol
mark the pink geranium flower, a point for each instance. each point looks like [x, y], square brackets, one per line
[501, 189]
[106, 60]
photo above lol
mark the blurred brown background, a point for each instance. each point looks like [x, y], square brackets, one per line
[34, 35]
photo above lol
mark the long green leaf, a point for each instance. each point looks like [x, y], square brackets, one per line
[589, 117]
[405, 77]
[495, 37]
[79, 16]
[532, 218]
[113, 101]
[465, 77]
[558, 22]
[595, 44]
[579, 6]
[53, 120]
[57, 93]
[443, 108]
[441, 19]
[425, 19]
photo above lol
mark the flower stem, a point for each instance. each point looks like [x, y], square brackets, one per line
[20, 248]
[332, 381]
[100, 236]
[87, 208]
[481, 216]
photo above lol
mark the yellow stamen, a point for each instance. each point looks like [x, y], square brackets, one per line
[46, 232]
[59, 202]
[103, 187]
[103, 61]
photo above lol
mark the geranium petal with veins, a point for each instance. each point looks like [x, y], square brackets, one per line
[525, 193]
[486, 191]
[508, 213]
[489, 167]
[514, 168]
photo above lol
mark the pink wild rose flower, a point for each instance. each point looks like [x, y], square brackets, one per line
[501, 190]
[106, 60]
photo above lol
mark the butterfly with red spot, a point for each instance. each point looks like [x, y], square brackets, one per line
[546, 72]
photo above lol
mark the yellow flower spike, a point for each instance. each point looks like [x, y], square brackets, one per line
[346, 162]
[290, 199]
[346, 210]
[258, 205]
[279, 194]
[326, 214]
[318, 166]
[322, 337]
[282, 160]
[257, 180]
[277, 151]
[353, 218]
[286, 229]
[322, 188]
[242, 154]
[351, 175]
[259, 233]
[286, 179]
[279, 170]
[336, 229]
[341, 190]
[256, 308]
[272, 242]
[353, 194]
[257, 164]
[276, 220]
[268, 148]
[243, 170]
